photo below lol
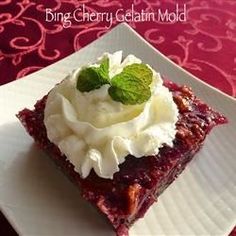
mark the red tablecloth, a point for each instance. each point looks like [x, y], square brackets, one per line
[204, 44]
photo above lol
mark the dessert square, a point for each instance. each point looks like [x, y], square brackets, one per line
[125, 196]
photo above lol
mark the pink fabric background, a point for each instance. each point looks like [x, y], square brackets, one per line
[204, 44]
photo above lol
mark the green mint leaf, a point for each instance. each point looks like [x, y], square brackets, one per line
[129, 89]
[93, 77]
[104, 69]
[90, 79]
[141, 71]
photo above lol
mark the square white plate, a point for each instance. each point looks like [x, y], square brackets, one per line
[38, 200]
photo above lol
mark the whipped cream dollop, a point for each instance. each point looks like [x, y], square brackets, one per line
[96, 132]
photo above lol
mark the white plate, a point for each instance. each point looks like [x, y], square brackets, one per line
[38, 200]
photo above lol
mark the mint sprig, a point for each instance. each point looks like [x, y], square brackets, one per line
[130, 87]
[93, 77]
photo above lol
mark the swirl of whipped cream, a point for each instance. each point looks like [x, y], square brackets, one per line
[96, 132]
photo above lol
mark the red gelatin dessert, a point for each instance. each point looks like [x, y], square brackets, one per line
[127, 196]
